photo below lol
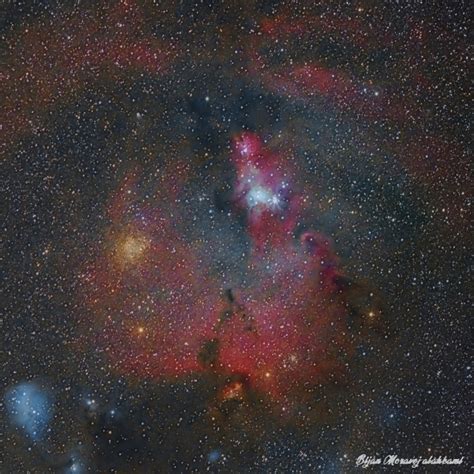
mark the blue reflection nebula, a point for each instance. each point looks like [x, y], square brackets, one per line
[29, 408]
[214, 456]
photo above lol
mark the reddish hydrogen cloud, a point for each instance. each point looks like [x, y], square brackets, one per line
[288, 328]
[49, 61]
[396, 103]
[53, 59]
[161, 314]
[305, 79]
[346, 29]
[264, 189]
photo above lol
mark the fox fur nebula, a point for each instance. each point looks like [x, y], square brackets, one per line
[164, 314]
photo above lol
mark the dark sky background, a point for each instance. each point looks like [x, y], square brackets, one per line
[235, 235]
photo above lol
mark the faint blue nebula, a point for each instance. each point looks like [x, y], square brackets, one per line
[77, 465]
[214, 456]
[29, 408]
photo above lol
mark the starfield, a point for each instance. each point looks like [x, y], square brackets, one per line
[235, 235]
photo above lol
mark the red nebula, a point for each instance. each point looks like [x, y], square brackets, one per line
[160, 313]
[308, 79]
[264, 190]
[55, 59]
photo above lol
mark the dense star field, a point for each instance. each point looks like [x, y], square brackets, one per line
[235, 235]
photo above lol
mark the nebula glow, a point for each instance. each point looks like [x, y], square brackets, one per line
[285, 331]
[30, 409]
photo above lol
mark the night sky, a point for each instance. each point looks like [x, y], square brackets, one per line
[235, 235]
